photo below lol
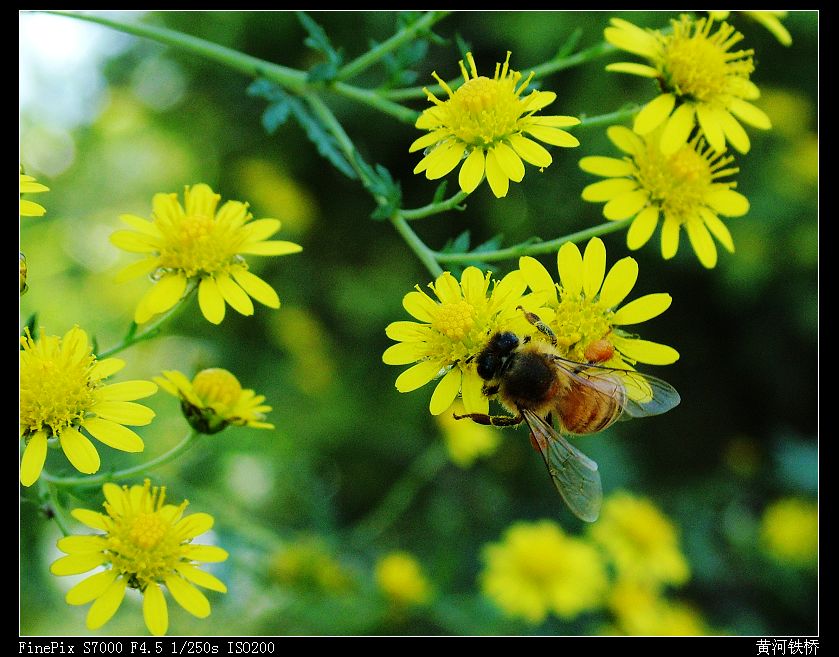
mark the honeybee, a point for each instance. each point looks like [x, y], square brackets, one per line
[536, 384]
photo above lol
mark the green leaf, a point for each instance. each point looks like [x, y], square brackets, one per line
[440, 192]
[459, 244]
[319, 41]
[491, 244]
[386, 191]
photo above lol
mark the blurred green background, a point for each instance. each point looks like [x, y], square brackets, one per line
[356, 470]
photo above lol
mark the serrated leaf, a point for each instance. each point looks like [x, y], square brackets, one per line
[491, 244]
[459, 244]
[323, 141]
[275, 115]
[388, 193]
[318, 40]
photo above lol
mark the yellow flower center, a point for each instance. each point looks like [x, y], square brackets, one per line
[197, 245]
[142, 542]
[698, 65]
[56, 389]
[216, 386]
[578, 323]
[454, 320]
[484, 111]
[678, 183]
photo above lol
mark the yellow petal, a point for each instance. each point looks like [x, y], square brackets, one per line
[553, 136]
[270, 248]
[703, 245]
[90, 518]
[445, 392]
[771, 23]
[718, 229]
[82, 544]
[609, 167]
[31, 209]
[166, 207]
[474, 284]
[428, 140]
[134, 242]
[79, 450]
[166, 293]
[645, 351]
[127, 390]
[727, 202]
[594, 267]
[404, 331]
[530, 151]
[194, 525]
[234, 295]
[712, 128]
[187, 596]
[443, 159]
[749, 113]
[155, 612]
[106, 605]
[653, 114]
[606, 190]
[33, 459]
[626, 205]
[90, 588]
[508, 290]
[535, 274]
[633, 69]
[510, 162]
[569, 263]
[262, 229]
[201, 200]
[121, 412]
[205, 553]
[113, 434]
[472, 172]
[498, 180]
[554, 121]
[625, 139]
[418, 375]
[539, 100]
[256, 288]
[629, 37]
[474, 400]
[403, 353]
[642, 309]
[106, 367]
[734, 132]
[678, 128]
[140, 224]
[210, 300]
[420, 305]
[76, 564]
[669, 238]
[642, 228]
[201, 578]
[619, 282]
[137, 269]
[447, 288]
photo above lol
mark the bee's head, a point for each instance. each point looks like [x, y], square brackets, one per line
[491, 360]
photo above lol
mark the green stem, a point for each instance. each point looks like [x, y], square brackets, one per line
[533, 248]
[428, 257]
[435, 208]
[375, 100]
[150, 330]
[401, 495]
[48, 495]
[618, 116]
[373, 55]
[90, 482]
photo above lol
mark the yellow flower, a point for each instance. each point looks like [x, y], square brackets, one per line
[307, 563]
[640, 611]
[400, 577]
[62, 392]
[538, 569]
[770, 19]
[200, 243]
[683, 189]
[583, 309]
[145, 544]
[215, 399]
[466, 441]
[789, 531]
[640, 541]
[450, 333]
[702, 82]
[487, 124]
[28, 185]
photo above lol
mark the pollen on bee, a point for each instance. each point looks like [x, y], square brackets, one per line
[599, 351]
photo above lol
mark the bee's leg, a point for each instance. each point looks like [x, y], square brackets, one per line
[492, 420]
[534, 319]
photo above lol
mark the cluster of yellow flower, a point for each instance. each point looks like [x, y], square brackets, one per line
[64, 401]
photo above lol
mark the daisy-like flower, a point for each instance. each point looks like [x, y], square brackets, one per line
[770, 19]
[583, 309]
[28, 185]
[488, 124]
[146, 543]
[451, 332]
[215, 399]
[62, 393]
[538, 569]
[703, 82]
[204, 244]
[400, 577]
[683, 188]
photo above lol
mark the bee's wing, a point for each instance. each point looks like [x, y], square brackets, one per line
[574, 474]
[639, 395]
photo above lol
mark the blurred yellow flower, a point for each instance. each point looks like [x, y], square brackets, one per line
[537, 569]
[683, 189]
[200, 243]
[450, 333]
[703, 82]
[28, 185]
[215, 399]
[307, 563]
[466, 441]
[640, 541]
[62, 392]
[640, 611]
[789, 531]
[487, 125]
[400, 577]
[145, 544]
[770, 19]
